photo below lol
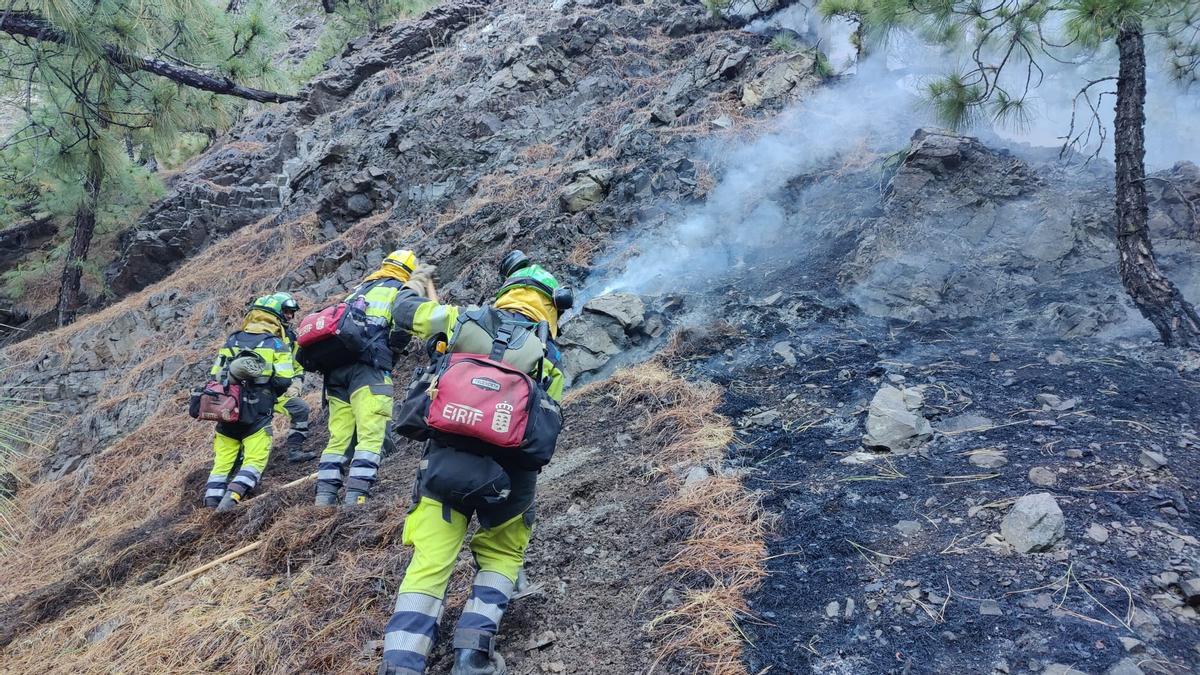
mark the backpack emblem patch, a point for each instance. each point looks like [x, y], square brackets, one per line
[486, 383]
[502, 418]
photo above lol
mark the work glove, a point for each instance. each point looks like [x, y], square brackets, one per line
[296, 388]
[421, 282]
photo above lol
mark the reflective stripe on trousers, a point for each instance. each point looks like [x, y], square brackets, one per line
[357, 427]
[481, 616]
[499, 554]
[254, 450]
[215, 488]
[411, 632]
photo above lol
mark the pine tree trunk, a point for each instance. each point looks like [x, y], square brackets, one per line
[1152, 292]
[81, 241]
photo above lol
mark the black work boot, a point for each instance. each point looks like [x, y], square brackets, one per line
[325, 498]
[476, 662]
[295, 450]
[229, 502]
[354, 497]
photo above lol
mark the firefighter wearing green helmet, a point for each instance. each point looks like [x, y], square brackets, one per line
[360, 394]
[528, 302]
[291, 404]
[258, 359]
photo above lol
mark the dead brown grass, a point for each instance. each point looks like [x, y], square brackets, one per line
[141, 475]
[584, 251]
[540, 152]
[705, 625]
[722, 555]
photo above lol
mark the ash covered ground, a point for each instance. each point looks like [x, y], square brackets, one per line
[892, 561]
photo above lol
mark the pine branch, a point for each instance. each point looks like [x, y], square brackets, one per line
[32, 25]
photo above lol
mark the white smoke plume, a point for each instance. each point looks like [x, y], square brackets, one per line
[876, 109]
[742, 214]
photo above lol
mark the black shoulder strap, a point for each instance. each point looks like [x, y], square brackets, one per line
[504, 335]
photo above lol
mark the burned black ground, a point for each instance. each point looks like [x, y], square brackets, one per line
[917, 599]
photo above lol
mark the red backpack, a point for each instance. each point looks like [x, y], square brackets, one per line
[335, 336]
[479, 403]
[483, 399]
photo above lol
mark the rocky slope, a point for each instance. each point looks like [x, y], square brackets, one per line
[982, 278]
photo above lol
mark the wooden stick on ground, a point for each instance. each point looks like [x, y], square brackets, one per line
[209, 565]
[296, 482]
[235, 554]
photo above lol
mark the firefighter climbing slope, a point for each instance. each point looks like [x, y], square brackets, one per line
[491, 423]
[251, 371]
[354, 344]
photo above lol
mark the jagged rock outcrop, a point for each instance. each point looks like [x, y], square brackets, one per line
[469, 143]
[608, 326]
[403, 42]
[971, 232]
[721, 61]
[791, 76]
[17, 239]
[589, 186]
[226, 190]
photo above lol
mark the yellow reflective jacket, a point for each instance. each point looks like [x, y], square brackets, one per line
[386, 298]
[427, 318]
[290, 339]
[274, 351]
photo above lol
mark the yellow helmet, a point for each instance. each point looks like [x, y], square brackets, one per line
[402, 258]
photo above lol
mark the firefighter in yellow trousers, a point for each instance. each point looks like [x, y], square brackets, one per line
[261, 362]
[360, 394]
[454, 485]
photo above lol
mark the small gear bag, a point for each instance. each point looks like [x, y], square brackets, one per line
[334, 337]
[479, 402]
[216, 402]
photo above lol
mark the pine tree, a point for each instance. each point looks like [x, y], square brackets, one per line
[1008, 41]
[98, 79]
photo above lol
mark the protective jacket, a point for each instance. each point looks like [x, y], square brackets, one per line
[289, 338]
[437, 527]
[262, 334]
[385, 297]
[426, 319]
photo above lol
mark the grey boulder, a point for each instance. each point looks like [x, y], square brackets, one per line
[894, 420]
[1035, 523]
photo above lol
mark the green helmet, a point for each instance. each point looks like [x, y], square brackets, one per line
[537, 278]
[288, 303]
[272, 304]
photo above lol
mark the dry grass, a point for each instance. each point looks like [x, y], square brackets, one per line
[584, 251]
[538, 153]
[307, 602]
[727, 530]
[529, 189]
[722, 555]
[705, 625]
[229, 620]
